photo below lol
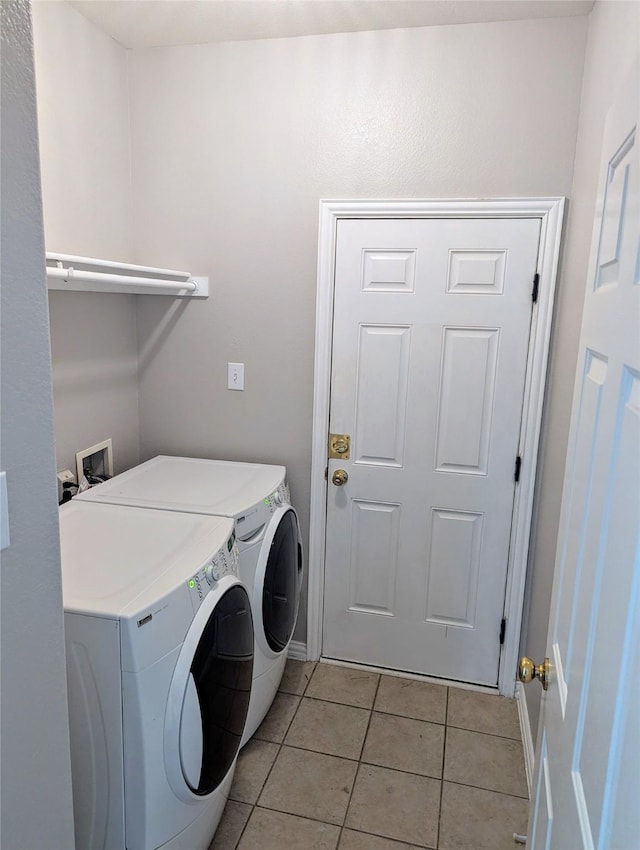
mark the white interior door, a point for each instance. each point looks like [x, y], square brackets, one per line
[587, 787]
[431, 332]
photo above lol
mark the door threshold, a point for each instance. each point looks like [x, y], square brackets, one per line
[418, 677]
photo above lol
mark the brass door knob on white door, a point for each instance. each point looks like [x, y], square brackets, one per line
[527, 671]
[340, 477]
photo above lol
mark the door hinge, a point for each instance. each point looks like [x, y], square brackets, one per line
[503, 627]
[516, 474]
[536, 286]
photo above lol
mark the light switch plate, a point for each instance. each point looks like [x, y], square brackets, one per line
[235, 376]
[4, 513]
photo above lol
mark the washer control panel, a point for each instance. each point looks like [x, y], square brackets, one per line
[224, 562]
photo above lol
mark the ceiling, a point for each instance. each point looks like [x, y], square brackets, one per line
[155, 23]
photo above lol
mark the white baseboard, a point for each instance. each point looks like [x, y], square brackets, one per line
[527, 737]
[297, 650]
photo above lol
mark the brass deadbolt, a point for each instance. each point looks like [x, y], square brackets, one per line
[339, 446]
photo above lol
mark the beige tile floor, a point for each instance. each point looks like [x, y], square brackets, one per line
[350, 760]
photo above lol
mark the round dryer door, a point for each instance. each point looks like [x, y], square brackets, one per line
[210, 692]
[282, 578]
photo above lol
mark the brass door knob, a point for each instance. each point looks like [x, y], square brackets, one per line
[527, 671]
[340, 477]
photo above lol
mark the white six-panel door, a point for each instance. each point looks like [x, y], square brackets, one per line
[587, 786]
[430, 340]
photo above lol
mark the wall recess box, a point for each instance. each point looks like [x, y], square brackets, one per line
[96, 460]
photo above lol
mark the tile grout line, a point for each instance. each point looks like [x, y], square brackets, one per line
[444, 751]
[284, 735]
[395, 714]
[488, 790]
[359, 763]
[488, 734]
[279, 745]
[368, 764]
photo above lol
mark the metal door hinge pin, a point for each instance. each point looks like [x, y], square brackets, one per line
[516, 474]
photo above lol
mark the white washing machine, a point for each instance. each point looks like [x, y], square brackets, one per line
[159, 644]
[257, 498]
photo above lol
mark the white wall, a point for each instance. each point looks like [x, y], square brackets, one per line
[35, 781]
[611, 46]
[234, 144]
[83, 113]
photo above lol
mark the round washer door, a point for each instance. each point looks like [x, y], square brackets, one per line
[278, 581]
[209, 693]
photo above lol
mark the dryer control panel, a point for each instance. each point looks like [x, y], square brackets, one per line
[224, 562]
[252, 521]
[279, 497]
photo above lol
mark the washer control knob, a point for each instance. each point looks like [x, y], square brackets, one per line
[277, 498]
[210, 572]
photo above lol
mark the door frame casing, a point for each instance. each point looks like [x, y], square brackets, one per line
[550, 211]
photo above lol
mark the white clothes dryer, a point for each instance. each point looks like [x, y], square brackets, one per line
[256, 496]
[159, 644]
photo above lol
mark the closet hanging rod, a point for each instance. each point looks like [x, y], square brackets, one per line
[80, 274]
[69, 274]
[111, 264]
